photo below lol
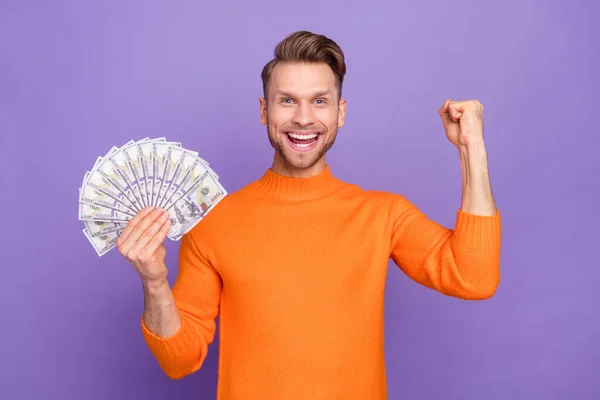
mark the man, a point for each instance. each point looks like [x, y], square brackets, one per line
[284, 262]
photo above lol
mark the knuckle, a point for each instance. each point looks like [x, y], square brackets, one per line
[143, 256]
[133, 255]
[148, 234]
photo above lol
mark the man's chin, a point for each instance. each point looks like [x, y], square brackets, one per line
[301, 161]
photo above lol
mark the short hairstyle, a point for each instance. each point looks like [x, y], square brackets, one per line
[305, 46]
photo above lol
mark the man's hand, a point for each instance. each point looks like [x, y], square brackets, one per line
[463, 122]
[142, 244]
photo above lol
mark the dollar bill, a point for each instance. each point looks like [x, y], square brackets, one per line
[190, 169]
[103, 243]
[122, 168]
[134, 163]
[172, 164]
[90, 195]
[99, 228]
[189, 209]
[182, 160]
[204, 162]
[114, 176]
[108, 185]
[145, 154]
[160, 153]
[93, 212]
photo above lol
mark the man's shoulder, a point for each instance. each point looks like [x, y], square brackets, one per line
[227, 208]
[383, 197]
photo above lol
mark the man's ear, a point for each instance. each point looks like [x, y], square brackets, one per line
[341, 113]
[263, 110]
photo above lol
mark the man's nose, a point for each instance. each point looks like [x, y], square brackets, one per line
[304, 115]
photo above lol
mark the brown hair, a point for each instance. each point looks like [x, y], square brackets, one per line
[305, 46]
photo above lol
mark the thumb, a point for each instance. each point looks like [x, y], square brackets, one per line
[455, 110]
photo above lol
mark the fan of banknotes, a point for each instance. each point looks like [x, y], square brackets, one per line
[147, 173]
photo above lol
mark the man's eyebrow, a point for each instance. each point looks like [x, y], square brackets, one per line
[319, 93]
[322, 93]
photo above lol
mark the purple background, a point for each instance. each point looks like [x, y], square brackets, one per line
[78, 77]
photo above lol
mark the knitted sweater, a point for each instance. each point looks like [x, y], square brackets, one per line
[295, 269]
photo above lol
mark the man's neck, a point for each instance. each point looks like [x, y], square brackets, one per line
[280, 167]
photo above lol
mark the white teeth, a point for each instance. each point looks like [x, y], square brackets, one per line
[302, 137]
[301, 145]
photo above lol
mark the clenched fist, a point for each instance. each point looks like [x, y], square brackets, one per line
[463, 122]
[142, 243]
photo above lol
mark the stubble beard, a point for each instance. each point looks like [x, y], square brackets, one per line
[299, 160]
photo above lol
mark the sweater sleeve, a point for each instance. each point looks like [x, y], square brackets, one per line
[463, 262]
[197, 291]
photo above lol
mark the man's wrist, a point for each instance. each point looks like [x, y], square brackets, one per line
[474, 148]
[152, 286]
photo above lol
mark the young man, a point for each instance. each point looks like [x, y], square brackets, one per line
[285, 261]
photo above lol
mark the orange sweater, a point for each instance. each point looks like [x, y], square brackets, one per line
[296, 270]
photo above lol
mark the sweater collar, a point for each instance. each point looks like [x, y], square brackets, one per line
[288, 188]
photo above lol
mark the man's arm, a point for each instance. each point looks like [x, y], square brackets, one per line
[462, 262]
[477, 197]
[160, 312]
[178, 325]
[463, 124]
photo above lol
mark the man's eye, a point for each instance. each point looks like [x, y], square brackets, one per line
[286, 100]
[320, 101]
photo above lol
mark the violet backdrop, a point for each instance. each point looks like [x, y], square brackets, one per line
[77, 77]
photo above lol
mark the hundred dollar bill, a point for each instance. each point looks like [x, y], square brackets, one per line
[160, 153]
[203, 162]
[146, 157]
[91, 212]
[172, 163]
[182, 159]
[191, 167]
[104, 243]
[134, 162]
[107, 185]
[106, 169]
[98, 196]
[122, 168]
[190, 208]
[99, 228]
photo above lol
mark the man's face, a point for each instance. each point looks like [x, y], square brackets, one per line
[302, 112]
[185, 208]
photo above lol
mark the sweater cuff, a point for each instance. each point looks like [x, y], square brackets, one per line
[168, 347]
[477, 231]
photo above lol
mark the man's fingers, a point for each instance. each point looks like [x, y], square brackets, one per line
[444, 108]
[129, 242]
[451, 111]
[445, 112]
[159, 237]
[150, 233]
[132, 224]
[455, 110]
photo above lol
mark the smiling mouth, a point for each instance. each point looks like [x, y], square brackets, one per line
[302, 141]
